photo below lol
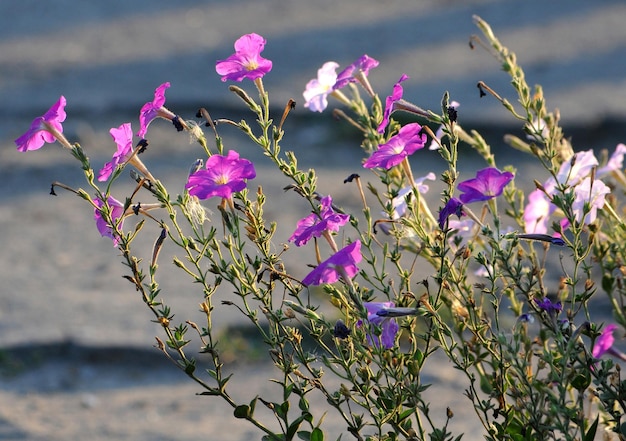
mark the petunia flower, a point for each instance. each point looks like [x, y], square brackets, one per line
[317, 90]
[357, 71]
[604, 342]
[573, 171]
[117, 213]
[548, 306]
[44, 128]
[488, 183]
[341, 264]
[399, 203]
[409, 139]
[453, 206]
[154, 109]
[223, 176]
[389, 327]
[314, 225]
[246, 62]
[123, 137]
[395, 96]
[615, 162]
[589, 195]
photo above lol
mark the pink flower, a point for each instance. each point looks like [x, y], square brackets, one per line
[246, 62]
[395, 96]
[574, 170]
[41, 128]
[537, 213]
[117, 213]
[224, 175]
[353, 72]
[408, 140]
[615, 163]
[376, 315]
[123, 137]
[317, 90]
[604, 342]
[488, 183]
[151, 110]
[314, 225]
[588, 197]
[341, 264]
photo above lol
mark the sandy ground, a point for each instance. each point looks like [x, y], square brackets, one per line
[76, 353]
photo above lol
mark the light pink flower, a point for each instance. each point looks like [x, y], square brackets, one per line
[317, 90]
[591, 193]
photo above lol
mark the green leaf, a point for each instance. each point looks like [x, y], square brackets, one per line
[242, 411]
[591, 433]
[317, 435]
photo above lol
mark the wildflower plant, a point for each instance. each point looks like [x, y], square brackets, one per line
[522, 332]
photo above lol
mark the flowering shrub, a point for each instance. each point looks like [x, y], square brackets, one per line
[522, 333]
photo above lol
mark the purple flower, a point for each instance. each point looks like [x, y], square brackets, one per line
[224, 175]
[314, 225]
[317, 90]
[488, 183]
[388, 325]
[547, 306]
[453, 206]
[246, 62]
[537, 212]
[409, 139]
[41, 127]
[351, 74]
[615, 162]
[604, 342]
[588, 197]
[151, 110]
[395, 96]
[117, 213]
[123, 137]
[342, 263]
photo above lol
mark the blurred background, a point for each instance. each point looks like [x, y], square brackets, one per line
[60, 283]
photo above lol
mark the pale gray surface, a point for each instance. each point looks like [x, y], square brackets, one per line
[107, 58]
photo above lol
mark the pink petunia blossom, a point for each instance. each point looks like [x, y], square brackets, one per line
[117, 213]
[354, 72]
[41, 128]
[342, 263]
[575, 170]
[123, 137]
[153, 109]
[615, 162]
[589, 195]
[314, 225]
[537, 212]
[395, 96]
[409, 139]
[223, 176]
[604, 342]
[317, 90]
[246, 62]
[488, 183]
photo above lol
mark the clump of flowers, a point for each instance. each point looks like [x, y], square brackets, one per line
[499, 284]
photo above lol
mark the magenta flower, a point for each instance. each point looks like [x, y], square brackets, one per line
[317, 90]
[351, 74]
[376, 315]
[117, 213]
[40, 129]
[224, 175]
[604, 342]
[342, 263]
[453, 206]
[314, 225]
[395, 96]
[123, 137]
[151, 110]
[246, 62]
[488, 183]
[409, 139]
[588, 197]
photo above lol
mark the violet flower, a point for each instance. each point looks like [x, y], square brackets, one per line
[314, 225]
[453, 206]
[123, 137]
[409, 139]
[117, 213]
[341, 264]
[317, 90]
[548, 306]
[153, 109]
[42, 128]
[615, 162]
[223, 176]
[246, 62]
[355, 72]
[395, 96]
[376, 316]
[488, 183]
[588, 197]
[604, 342]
